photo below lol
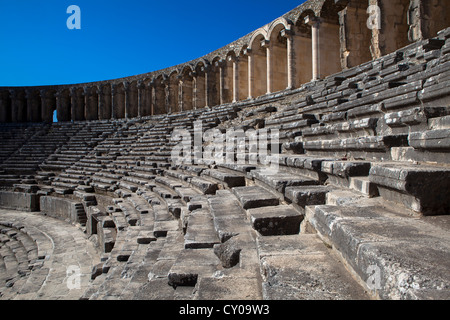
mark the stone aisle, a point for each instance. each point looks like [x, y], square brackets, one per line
[66, 258]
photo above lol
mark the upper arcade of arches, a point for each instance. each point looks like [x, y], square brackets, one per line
[312, 41]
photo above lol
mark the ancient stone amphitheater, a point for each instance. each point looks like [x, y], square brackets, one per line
[333, 183]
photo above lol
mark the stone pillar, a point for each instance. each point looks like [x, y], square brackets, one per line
[291, 66]
[194, 90]
[269, 74]
[235, 79]
[101, 103]
[314, 22]
[87, 105]
[14, 112]
[4, 106]
[167, 96]
[33, 107]
[152, 86]
[180, 95]
[62, 106]
[140, 88]
[207, 80]
[126, 90]
[59, 104]
[248, 52]
[113, 105]
[46, 114]
[73, 103]
[220, 66]
[29, 96]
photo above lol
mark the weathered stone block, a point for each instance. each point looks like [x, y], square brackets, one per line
[255, 197]
[279, 220]
[427, 188]
[19, 201]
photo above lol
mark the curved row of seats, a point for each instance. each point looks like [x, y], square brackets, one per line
[363, 162]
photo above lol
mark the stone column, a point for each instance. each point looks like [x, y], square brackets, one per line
[220, 65]
[14, 111]
[126, 88]
[291, 66]
[113, 106]
[29, 96]
[46, 114]
[314, 22]
[194, 90]
[59, 105]
[62, 106]
[87, 95]
[248, 52]
[269, 75]
[101, 103]
[206, 69]
[73, 103]
[4, 106]
[140, 88]
[180, 94]
[152, 86]
[235, 79]
[167, 96]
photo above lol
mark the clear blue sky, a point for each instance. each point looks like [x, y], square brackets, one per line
[118, 38]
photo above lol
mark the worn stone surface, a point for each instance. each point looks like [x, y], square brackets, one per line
[255, 197]
[278, 220]
[363, 168]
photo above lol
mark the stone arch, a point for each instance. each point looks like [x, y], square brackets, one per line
[159, 87]
[199, 84]
[242, 61]
[91, 103]
[5, 106]
[186, 89]
[18, 105]
[257, 64]
[33, 103]
[278, 34]
[104, 101]
[228, 77]
[214, 82]
[329, 39]
[147, 98]
[172, 92]
[132, 96]
[77, 103]
[63, 105]
[119, 100]
[302, 48]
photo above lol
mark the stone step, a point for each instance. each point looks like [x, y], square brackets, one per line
[200, 231]
[301, 267]
[302, 197]
[277, 220]
[394, 255]
[229, 217]
[279, 181]
[191, 265]
[231, 180]
[424, 189]
[204, 185]
[255, 197]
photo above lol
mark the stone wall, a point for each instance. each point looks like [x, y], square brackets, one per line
[64, 209]
[19, 201]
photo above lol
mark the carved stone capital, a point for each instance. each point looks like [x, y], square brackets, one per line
[313, 21]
